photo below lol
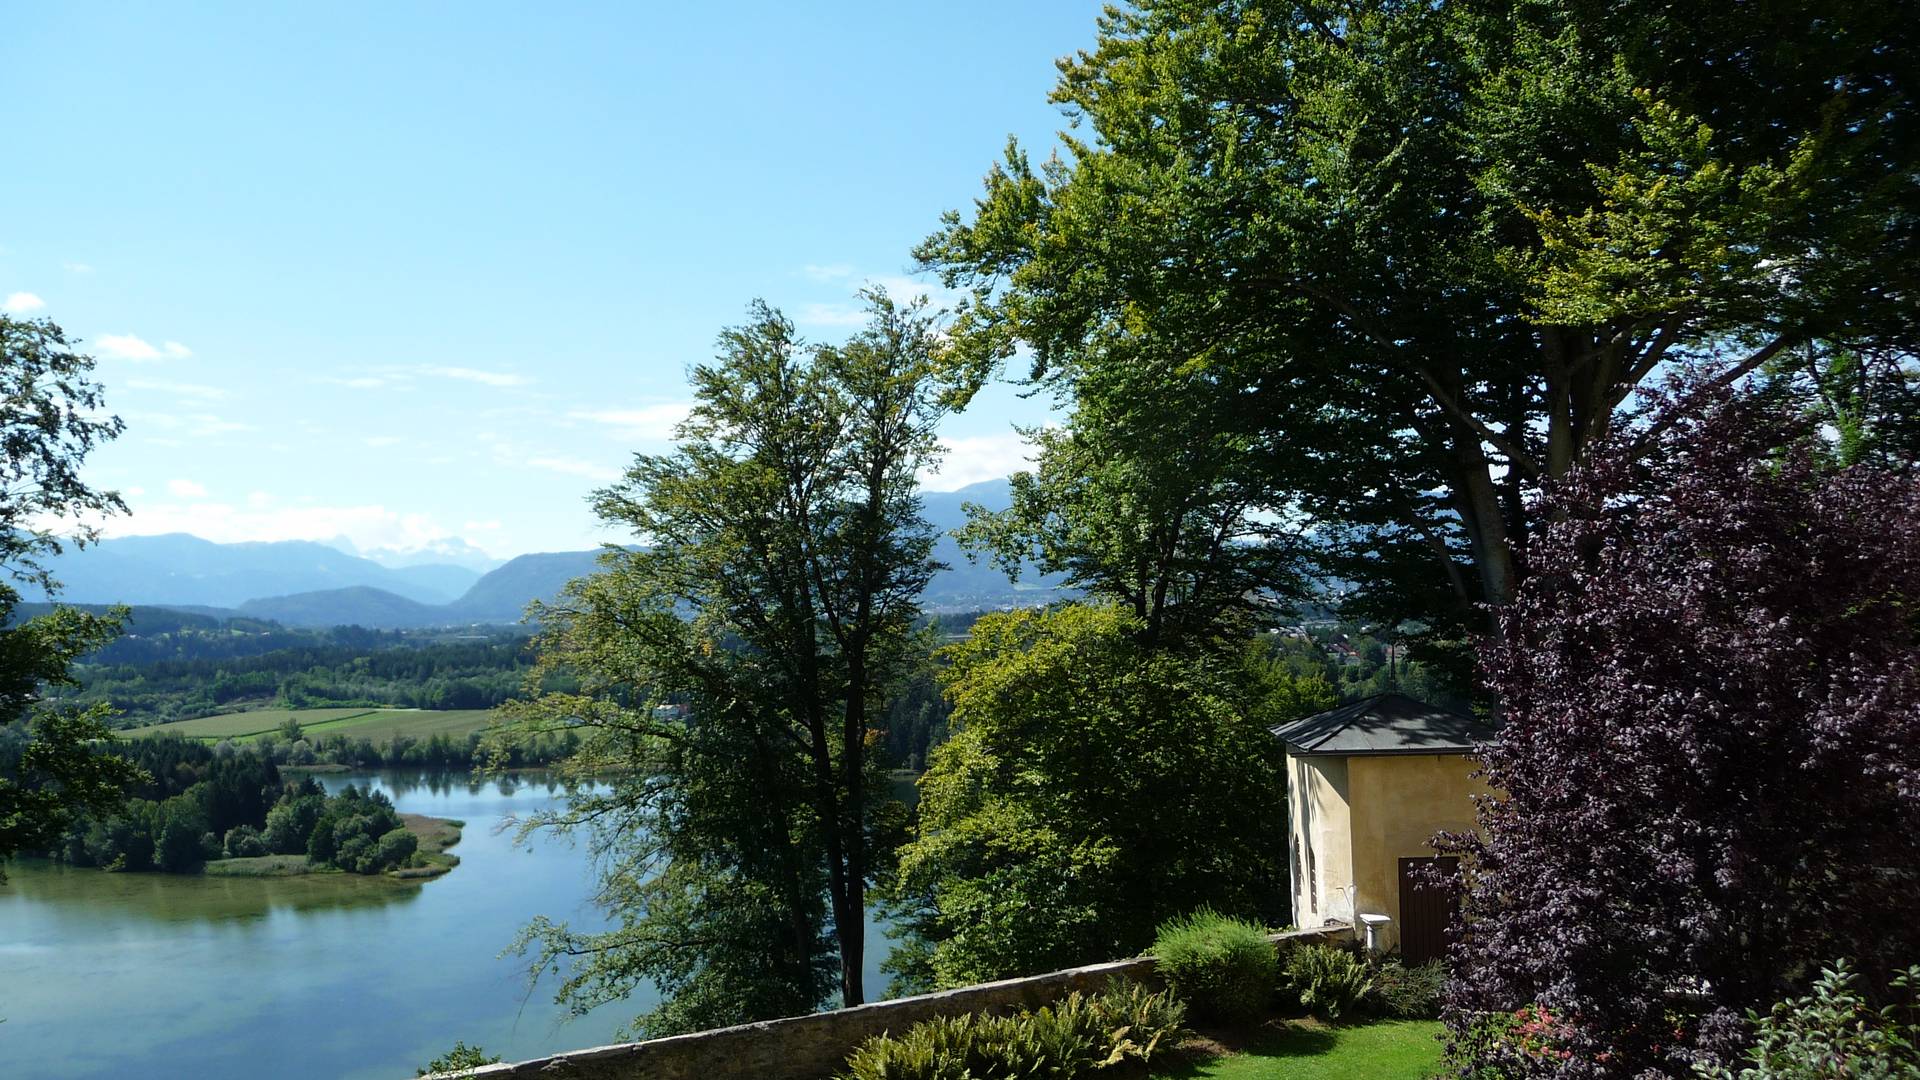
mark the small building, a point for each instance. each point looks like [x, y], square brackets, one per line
[1369, 783]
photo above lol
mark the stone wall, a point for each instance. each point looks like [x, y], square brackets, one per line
[813, 1047]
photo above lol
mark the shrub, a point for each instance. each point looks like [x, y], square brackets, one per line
[1328, 980]
[1223, 967]
[1137, 1021]
[243, 842]
[458, 1059]
[1074, 1037]
[1408, 993]
[1835, 1032]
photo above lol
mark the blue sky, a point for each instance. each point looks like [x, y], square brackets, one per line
[406, 273]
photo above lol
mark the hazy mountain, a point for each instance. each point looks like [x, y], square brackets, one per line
[503, 595]
[307, 584]
[176, 568]
[966, 585]
[452, 551]
[359, 605]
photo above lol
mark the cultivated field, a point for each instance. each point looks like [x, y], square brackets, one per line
[377, 725]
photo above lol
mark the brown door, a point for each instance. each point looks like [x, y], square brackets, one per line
[1426, 910]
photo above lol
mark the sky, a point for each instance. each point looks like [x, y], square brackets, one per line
[411, 274]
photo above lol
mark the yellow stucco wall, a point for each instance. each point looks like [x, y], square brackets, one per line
[1320, 834]
[1360, 816]
[1399, 802]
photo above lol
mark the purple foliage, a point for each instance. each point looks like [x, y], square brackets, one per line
[1710, 681]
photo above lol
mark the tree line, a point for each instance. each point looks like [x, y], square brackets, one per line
[196, 803]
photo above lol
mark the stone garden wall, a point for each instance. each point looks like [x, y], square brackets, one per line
[813, 1047]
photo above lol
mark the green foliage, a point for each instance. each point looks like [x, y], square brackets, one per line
[458, 1059]
[1834, 1033]
[1329, 981]
[1407, 993]
[1092, 790]
[1392, 265]
[1223, 967]
[360, 832]
[243, 842]
[1071, 1038]
[731, 675]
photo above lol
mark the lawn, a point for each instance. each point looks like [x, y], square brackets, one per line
[1306, 1050]
[378, 725]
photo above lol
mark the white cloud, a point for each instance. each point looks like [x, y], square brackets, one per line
[654, 422]
[77, 268]
[489, 525]
[377, 441]
[358, 382]
[972, 458]
[193, 425]
[831, 315]
[197, 391]
[186, 489]
[827, 272]
[133, 492]
[368, 527]
[131, 347]
[575, 467]
[21, 302]
[488, 378]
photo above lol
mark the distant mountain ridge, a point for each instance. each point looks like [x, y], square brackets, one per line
[177, 568]
[297, 583]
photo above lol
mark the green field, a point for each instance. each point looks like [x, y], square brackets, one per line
[377, 725]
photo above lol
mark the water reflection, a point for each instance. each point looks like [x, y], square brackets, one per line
[83, 892]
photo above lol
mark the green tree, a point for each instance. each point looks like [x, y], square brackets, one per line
[1092, 790]
[50, 769]
[1417, 257]
[735, 669]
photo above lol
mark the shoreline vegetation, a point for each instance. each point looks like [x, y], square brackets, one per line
[434, 836]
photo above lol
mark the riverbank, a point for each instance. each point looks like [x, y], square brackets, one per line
[434, 835]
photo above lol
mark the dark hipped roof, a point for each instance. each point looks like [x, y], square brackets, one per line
[1385, 724]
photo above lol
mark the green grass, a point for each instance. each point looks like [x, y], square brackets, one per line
[259, 866]
[1306, 1050]
[377, 725]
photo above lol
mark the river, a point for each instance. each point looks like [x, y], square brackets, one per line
[116, 975]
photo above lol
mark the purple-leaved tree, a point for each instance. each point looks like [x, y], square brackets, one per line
[1710, 680]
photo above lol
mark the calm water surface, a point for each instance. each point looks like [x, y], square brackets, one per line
[116, 975]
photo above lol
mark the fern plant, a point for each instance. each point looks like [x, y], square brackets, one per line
[1328, 980]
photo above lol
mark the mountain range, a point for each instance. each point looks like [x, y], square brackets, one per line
[302, 583]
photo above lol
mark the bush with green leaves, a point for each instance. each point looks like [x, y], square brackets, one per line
[1074, 1037]
[1407, 993]
[1835, 1032]
[1329, 981]
[1221, 966]
[459, 1059]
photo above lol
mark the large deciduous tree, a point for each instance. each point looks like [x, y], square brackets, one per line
[1415, 258]
[50, 420]
[1093, 788]
[1710, 766]
[773, 594]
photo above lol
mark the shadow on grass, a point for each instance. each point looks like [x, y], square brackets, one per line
[1274, 1039]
